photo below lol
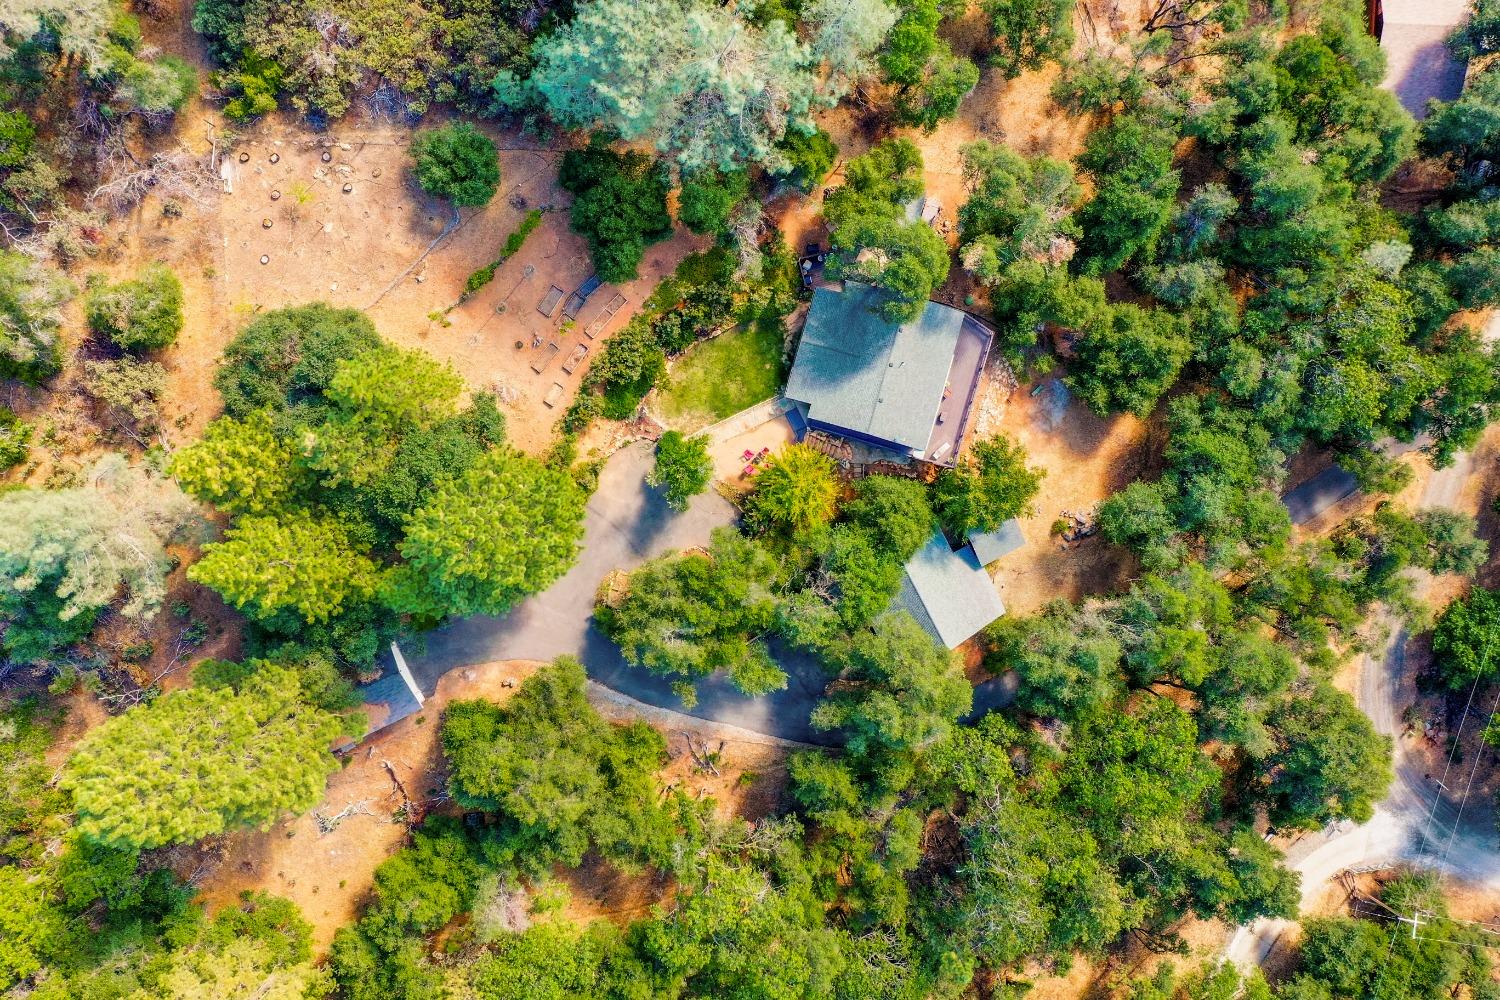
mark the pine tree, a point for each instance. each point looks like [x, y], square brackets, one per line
[244, 969]
[845, 34]
[31, 300]
[507, 528]
[65, 554]
[395, 389]
[711, 89]
[797, 490]
[201, 761]
[239, 466]
[295, 561]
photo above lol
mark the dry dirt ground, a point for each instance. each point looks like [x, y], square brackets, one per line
[1085, 458]
[355, 250]
[328, 874]
[358, 249]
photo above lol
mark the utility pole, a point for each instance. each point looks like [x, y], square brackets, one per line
[1415, 920]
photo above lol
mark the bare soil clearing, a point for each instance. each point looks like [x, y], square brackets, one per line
[358, 249]
[1086, 458]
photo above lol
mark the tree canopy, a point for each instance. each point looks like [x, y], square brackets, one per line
[66, 555]
[989, 488]
[142, 314]
[686, 616]
[456, 163]
[1467, 639]
[202, 760]
[619, 206]
[907, 260]
[709, 89]
[683, 468]
[562, 779]
[456, 560]
[796, 490]
[31, 299]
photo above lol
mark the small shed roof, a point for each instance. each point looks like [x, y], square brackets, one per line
[991, 545]
[948, 592]
[864, 374]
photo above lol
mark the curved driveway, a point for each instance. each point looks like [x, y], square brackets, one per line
[1427, 819]
[626, 524]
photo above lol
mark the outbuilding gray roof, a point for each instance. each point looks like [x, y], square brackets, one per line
[947, 592]
[991, 545]
[858, 372]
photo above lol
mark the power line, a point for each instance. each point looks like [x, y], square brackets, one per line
[1452, 753]
[1462, 944]
[1385, 963]
[1469, 784]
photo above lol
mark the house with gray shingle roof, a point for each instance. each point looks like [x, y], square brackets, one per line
[948, 592]
[906, 387]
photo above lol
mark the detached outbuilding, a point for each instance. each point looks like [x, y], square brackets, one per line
[948, 592]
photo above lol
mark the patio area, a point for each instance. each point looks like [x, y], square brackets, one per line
[759, 442]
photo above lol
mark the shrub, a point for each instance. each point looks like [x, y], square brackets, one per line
[809, 156]
[15, 437]
[513, 243]
[158, 86]
[528, 225]
[255, 83]
[140, 315]
[682, 469]
[708, 197]
[457, 163]
[288, 356]
[627, 368]
[480, 278]
[797, 489]
[222, 25]
[619, 206]
[17, 134]
[130, 390]
[31, 300]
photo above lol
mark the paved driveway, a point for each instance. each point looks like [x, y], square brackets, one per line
[627, 523]
[1419, 67]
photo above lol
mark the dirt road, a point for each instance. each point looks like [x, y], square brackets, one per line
[1426, 819]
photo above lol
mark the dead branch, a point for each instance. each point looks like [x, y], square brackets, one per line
[177, 174]
[1179, 16]
[450, 227]
[704, 759]
[409, 809]
[327, 824]
[182, 646]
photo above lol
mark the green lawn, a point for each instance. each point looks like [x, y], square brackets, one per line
[725, 375]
